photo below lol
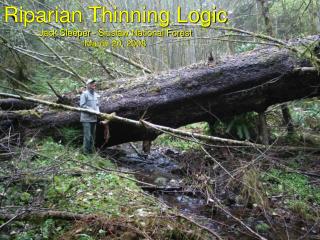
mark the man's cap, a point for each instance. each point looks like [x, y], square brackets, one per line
[89, 81]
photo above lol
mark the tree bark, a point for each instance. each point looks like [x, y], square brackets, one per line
[284, 108]
[263, 125]
[287, 119]
[263, 128]
[201, 92]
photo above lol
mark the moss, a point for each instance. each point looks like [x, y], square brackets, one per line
[292, 183]
[102, 193]
[262, 227]
[181, 235]
[72, 186]
[301, 208]
[155, 89]
[300, 195]
[70, 135]
[252, 190]
[31, 112]
[170, 141]
[180, 144]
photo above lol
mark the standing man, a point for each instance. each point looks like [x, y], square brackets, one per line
[89, 99]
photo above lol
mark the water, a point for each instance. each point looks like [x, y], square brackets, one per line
[159, 168]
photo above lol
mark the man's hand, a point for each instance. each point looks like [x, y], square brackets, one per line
[106, 132]
[104, 122]
[113, 114]
[107, 121]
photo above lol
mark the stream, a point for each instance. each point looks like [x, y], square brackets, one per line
[160, 168]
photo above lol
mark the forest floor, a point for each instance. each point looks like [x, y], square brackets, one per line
[190, 192]
[274, 192]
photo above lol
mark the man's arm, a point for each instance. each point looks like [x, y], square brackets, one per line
[83, 101]
[98, 102]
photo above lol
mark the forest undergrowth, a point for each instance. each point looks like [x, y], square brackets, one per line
[50, 190]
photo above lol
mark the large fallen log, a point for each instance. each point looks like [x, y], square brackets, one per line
[201, 92]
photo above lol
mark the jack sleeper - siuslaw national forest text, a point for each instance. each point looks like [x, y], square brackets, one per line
[115, 33]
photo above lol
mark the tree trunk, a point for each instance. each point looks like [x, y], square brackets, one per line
[201, 92]
[287, 119]
[266, 16]
[263, 128]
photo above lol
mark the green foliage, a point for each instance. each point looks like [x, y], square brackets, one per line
[48, 229]
[252, 190]
[245, 47]
[26, 235]
[71, 135]
[75, 189]
[42, 76]
[294, 164]
[301, 208]
[170, 141]
[85, 237]
[25, 197]
[181, 144]
[297, 189]
[89, 193]
[17, 195]
[305, 118]
[306, 114]
[292, 183]
[181, 235]
[262, 227]
[4, 236]
[50, 151]
[242, 126]
[288, 14]
[99, 193]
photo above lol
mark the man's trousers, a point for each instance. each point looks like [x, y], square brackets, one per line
[89, 135]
